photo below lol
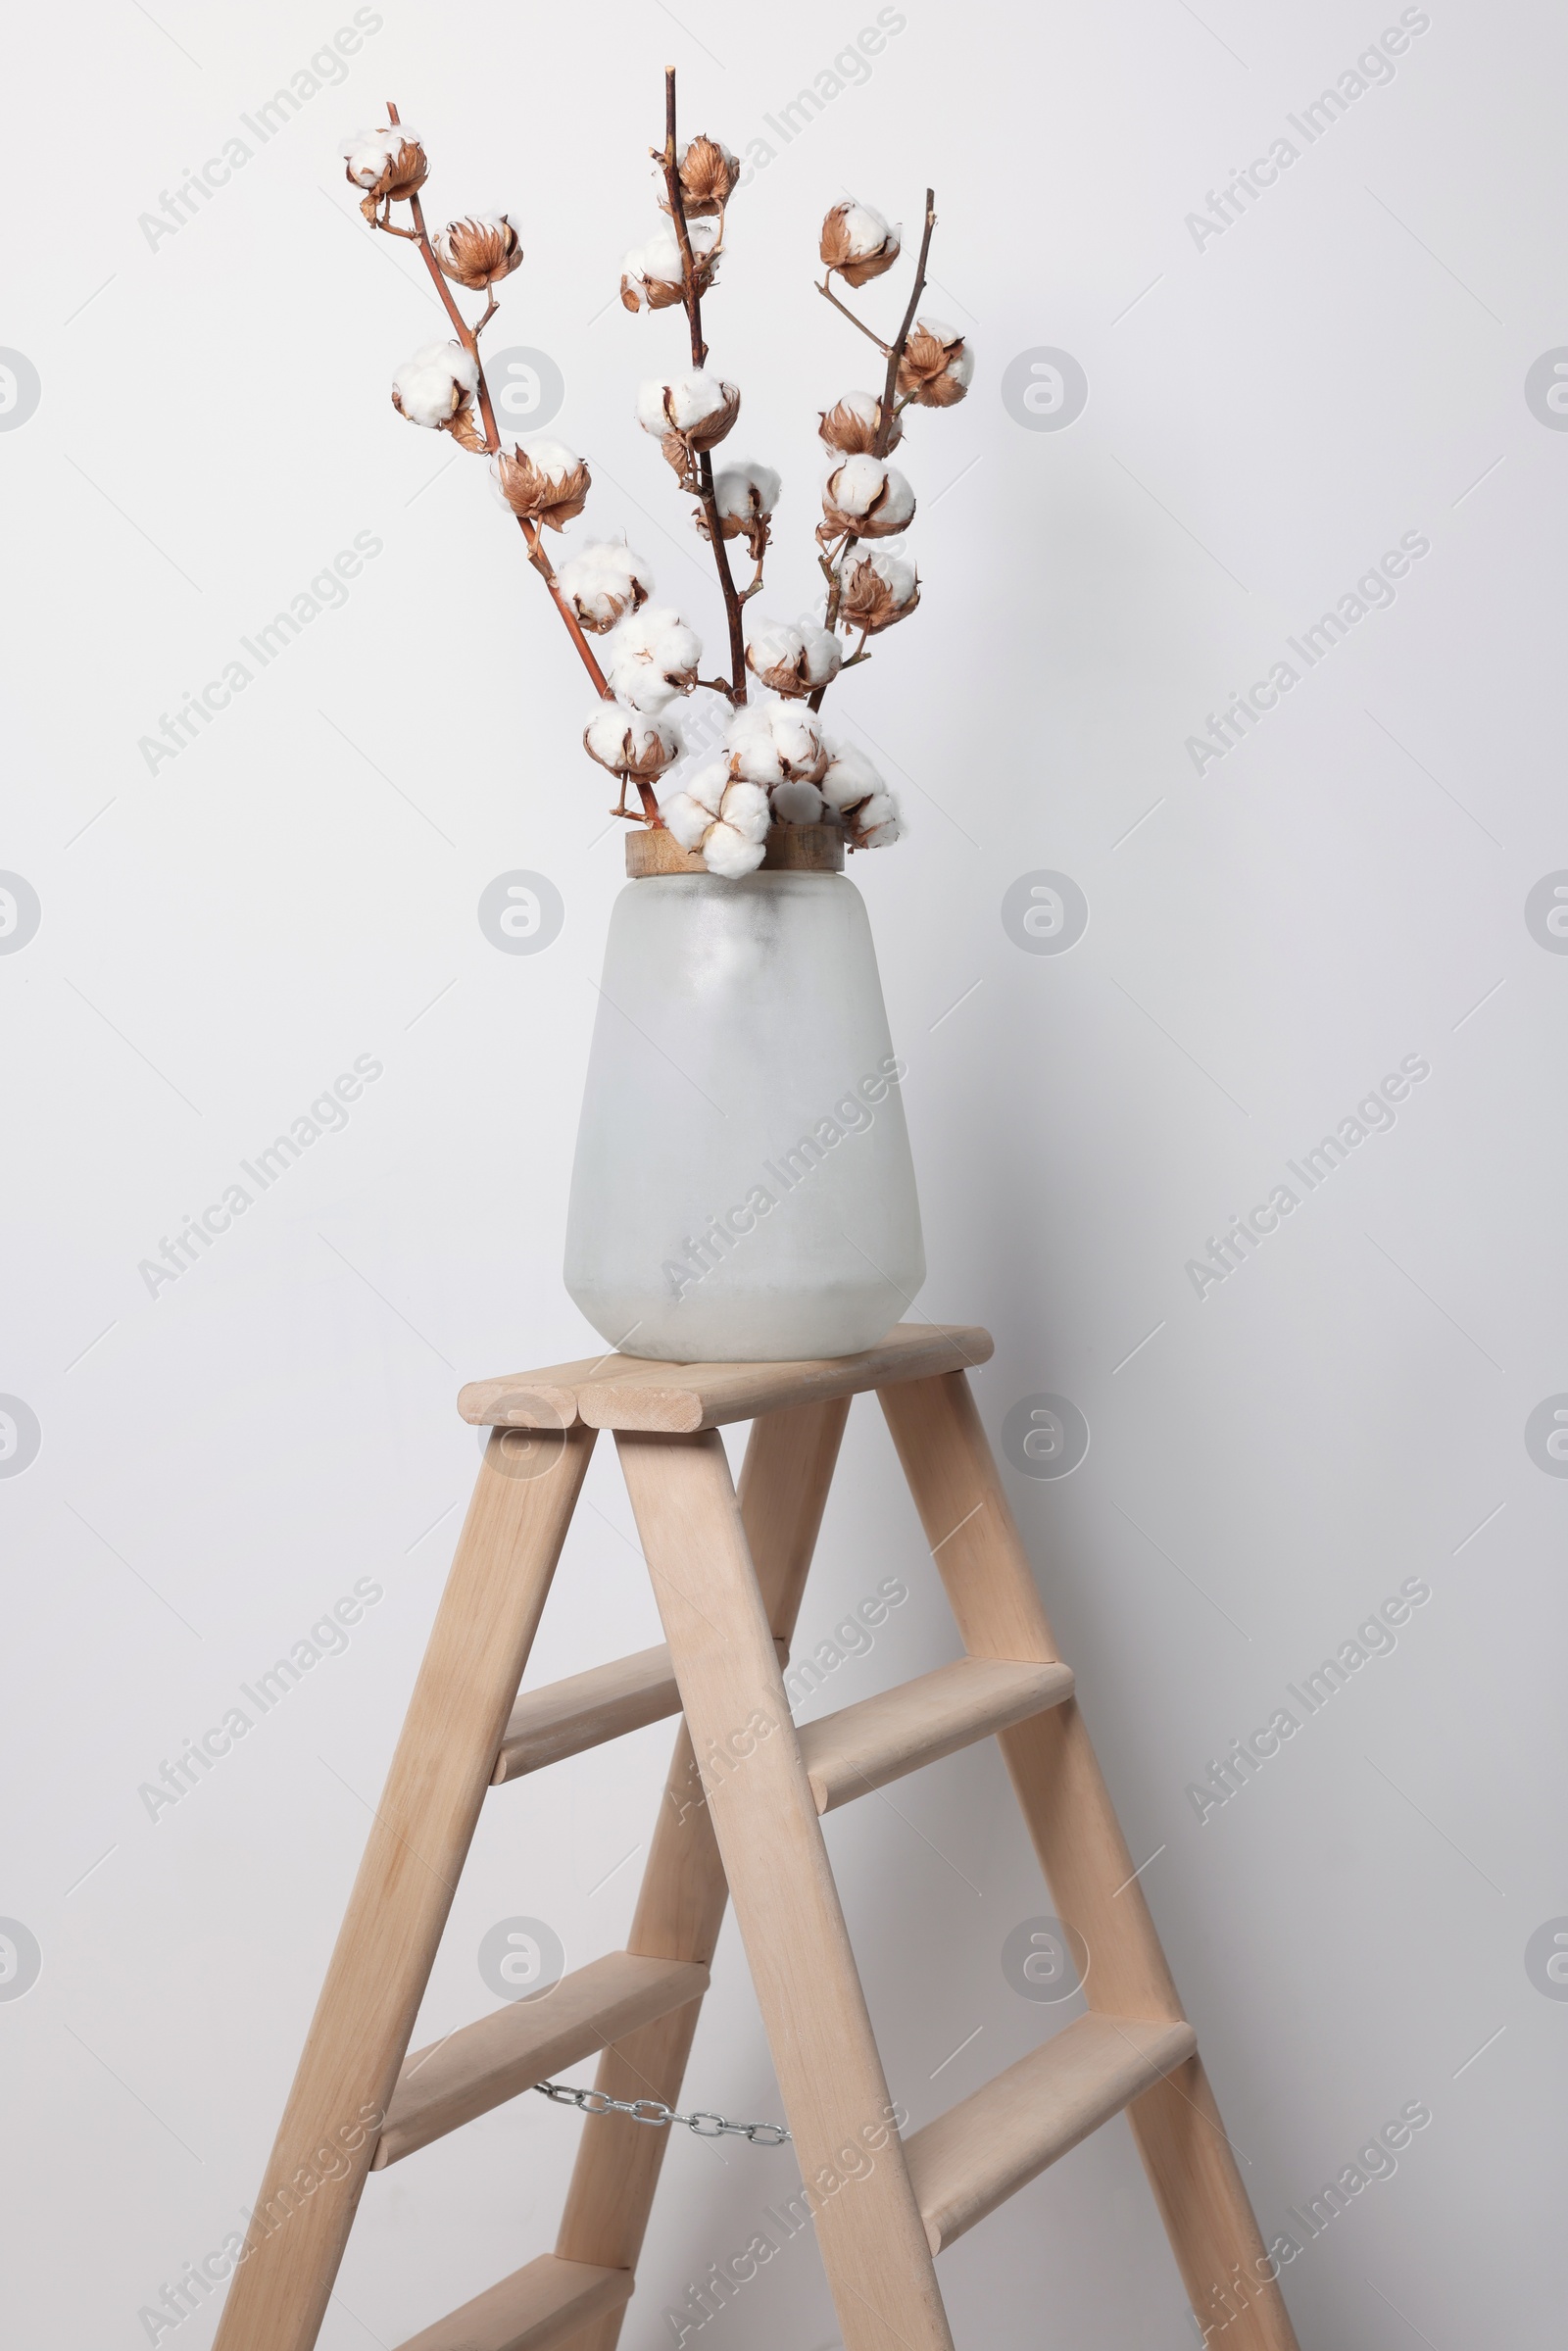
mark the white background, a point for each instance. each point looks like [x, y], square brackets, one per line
[220, 938]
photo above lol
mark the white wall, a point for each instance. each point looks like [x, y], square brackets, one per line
[1268, 411]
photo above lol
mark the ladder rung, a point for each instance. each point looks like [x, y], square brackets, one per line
[507, 2052]
[849, 1753]
[972, 2158]
[585, 1710]
[546, 2303]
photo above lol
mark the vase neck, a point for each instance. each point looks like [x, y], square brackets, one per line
[791, 849]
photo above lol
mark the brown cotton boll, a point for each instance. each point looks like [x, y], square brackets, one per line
[548, 485]
[875, 590]
[752, 528]
[707, 176]
[864, 498]
[858, 243]
[648, 293]
[630, 743]
[479, 251]
[466, 428]
[409, 170]
[697, 409]
[709, 431]
[794, 661]
[851, 425]
[388, 164]
[937, 364]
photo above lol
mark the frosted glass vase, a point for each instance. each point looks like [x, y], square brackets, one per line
[743, 1188]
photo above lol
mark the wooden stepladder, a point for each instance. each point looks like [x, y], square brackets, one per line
[745, 1793]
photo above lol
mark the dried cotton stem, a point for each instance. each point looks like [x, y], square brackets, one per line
[888, 417]
[733, 600]
[468, 337]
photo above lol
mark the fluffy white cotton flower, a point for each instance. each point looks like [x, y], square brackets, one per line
[653, 657]
[368, 152]
[775, 743]
[853, 423]
[553, 459]
[734, 850]
[651, 274]
[878, 822]
[792, 661]
[876, 587]
[630, 743]
[682, 403]
[797, 804]
[746, 490]
[689, 812]
[866, 496]
[938, 363]
[687, 414]
[745, 496]
[724, 819]
[851, 779]
[604, 584]
[857, 243]
[864, 229]
[388, 162]
[431, 387]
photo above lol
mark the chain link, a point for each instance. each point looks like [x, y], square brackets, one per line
[659, 2117]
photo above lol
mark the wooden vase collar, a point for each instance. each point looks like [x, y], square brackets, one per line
[791, 849]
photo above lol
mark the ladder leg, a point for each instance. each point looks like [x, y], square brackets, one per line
[868, 2228]
[1066, 1805]
[1209, 2215]
[479, 1644]
[784, 1486]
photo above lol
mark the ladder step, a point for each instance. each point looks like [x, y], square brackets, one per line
[546, 2303]
[585, 1710]
[861, 1748]
[972, 2158]
[678, 1398]
[503, 2054]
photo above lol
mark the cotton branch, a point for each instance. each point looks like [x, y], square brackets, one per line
[468, 337]
[886, 421]
[692, 300]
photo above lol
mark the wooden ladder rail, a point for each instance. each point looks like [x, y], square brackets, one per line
[789, 1465]
[1067, 1808]
[500, 1579]
[869, 2231]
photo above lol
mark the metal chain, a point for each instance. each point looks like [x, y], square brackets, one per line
[658, 2115]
